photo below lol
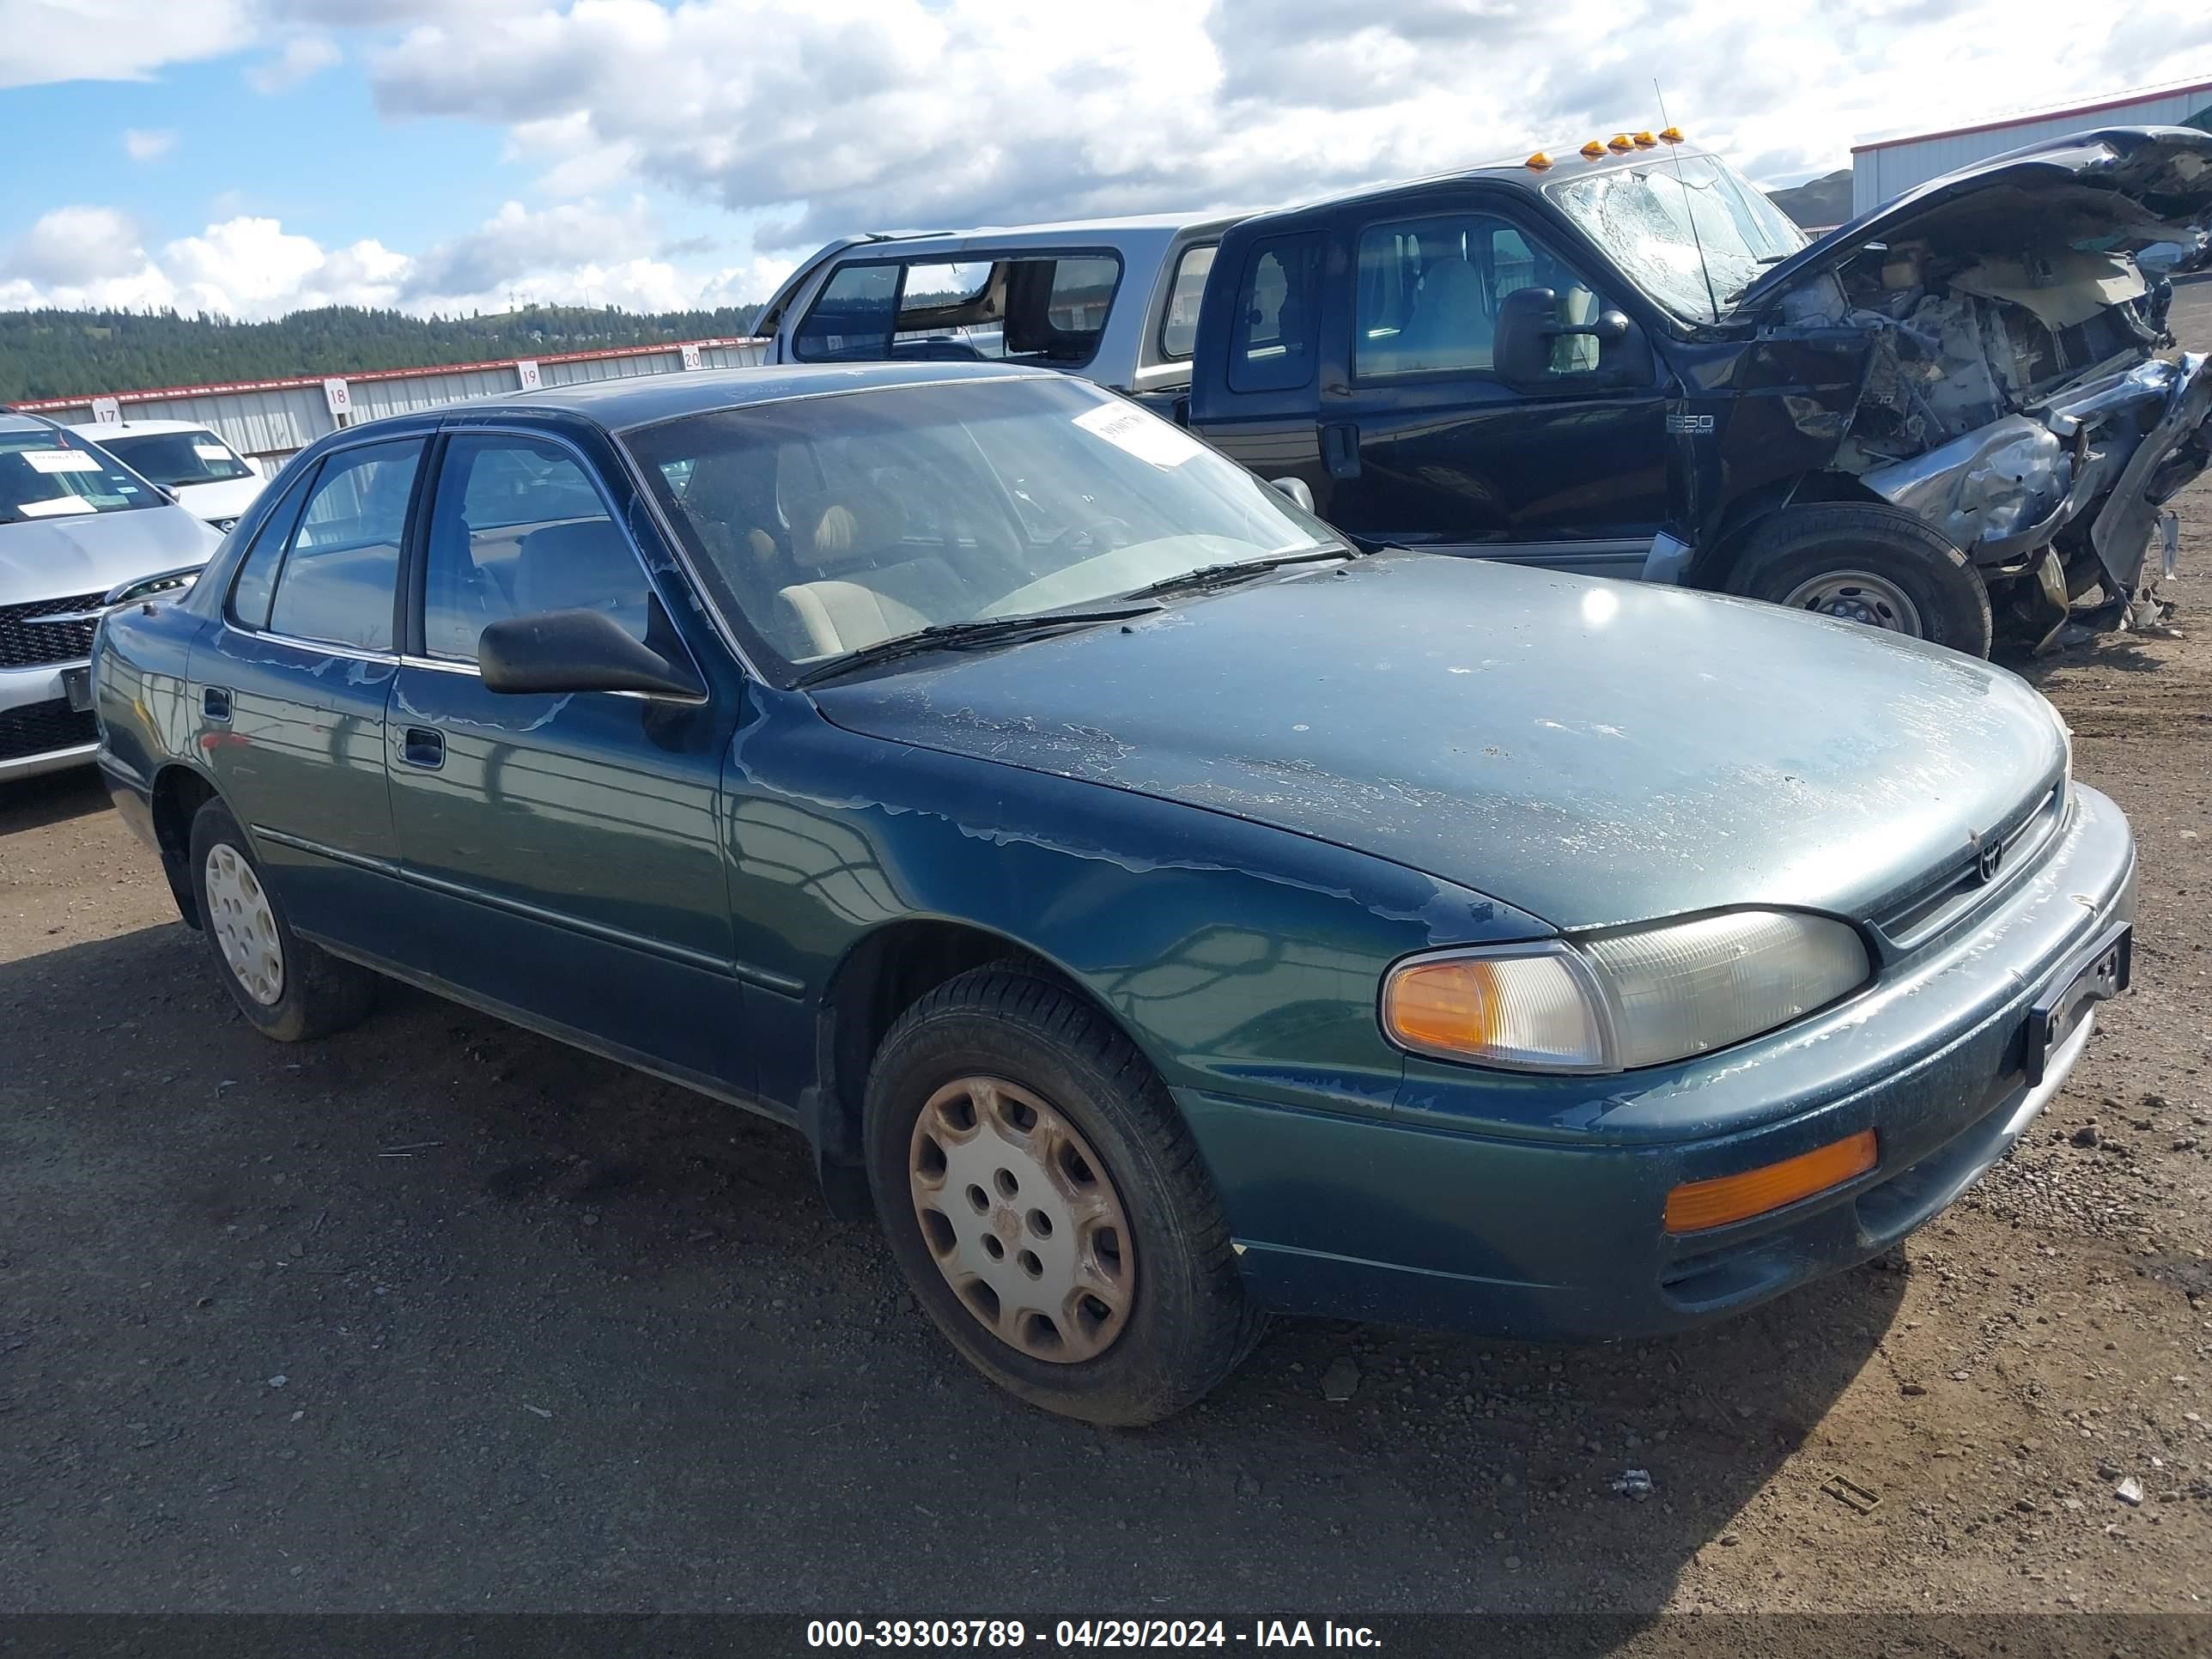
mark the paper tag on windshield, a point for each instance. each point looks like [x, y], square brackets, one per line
[1144, 436]
[59, 506]
[211, 451]
[60, 460]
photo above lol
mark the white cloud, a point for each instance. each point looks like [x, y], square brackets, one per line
[74, 245]
[113, 40]
[249, 266]
[830, 116]
[141, 145]
[302, 57]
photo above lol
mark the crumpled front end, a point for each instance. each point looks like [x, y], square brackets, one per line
[2088, 471]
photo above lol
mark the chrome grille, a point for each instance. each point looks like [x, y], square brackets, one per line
[1958, 888]
[28, 642]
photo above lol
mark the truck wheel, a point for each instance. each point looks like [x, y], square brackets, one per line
[1048, 1205]
[289, 989]
[1868, 564]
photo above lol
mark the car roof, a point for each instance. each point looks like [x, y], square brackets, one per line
[10, 420]
[1144, 225]
[134, 428]
[1513, 171]
[619, 405]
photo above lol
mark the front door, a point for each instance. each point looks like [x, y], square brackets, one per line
[289, 692]
[562, 851]
[1430, 448]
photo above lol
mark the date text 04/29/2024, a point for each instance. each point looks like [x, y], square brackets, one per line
[1108, 1633]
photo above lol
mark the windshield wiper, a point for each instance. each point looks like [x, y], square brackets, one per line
[1221, 575]
[980, 630]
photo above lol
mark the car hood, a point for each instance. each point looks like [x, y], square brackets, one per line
[227, 498]
[96, 552]
[1588, 752]
[2116, 189]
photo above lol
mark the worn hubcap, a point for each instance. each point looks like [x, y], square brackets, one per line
[245, 927]
[1858, 595]
[1021, 1219]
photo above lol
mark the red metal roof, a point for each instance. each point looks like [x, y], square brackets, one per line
[2029, 118]
[150, 394]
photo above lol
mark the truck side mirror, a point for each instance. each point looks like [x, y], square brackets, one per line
[1529, 322]
[1521, 346]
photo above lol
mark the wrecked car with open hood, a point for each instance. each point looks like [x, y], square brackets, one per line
[1950, 418]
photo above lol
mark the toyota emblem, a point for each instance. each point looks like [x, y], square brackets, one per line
[1988, 860]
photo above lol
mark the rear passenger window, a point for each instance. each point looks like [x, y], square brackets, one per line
[339, 575]
[853, 317]
[1179, 328]
[1271, 341]
[518, 528]
[1018, 306]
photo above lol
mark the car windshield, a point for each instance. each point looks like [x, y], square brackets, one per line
[1691, 231]
[827, 525]
[174, 460]
[50, 475]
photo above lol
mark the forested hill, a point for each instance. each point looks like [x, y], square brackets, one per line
[55, 354]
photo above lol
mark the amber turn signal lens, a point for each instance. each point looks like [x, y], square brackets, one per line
[1646, 141]
[1696, 1204]
[1619, 144]
[1449, 1006]
[1539, 160]
[1670, 135]
[1593, 150]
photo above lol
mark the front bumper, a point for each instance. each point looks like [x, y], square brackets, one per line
[1550, 1228]
[39, 731]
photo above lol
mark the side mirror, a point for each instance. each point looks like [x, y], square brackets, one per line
[1521, 346]
[577, 651]
[1527, 323]
[1295, 489]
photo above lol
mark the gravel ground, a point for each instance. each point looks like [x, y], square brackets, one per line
[441, 1315]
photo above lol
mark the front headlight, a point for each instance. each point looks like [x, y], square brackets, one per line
[1614, 1001]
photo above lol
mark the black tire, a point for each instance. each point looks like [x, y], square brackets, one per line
[1188, 1322]
[318, 993]
[1793, 550]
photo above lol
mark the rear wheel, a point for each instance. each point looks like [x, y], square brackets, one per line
[1048, 1205]
[289, 989]
[1879, 566]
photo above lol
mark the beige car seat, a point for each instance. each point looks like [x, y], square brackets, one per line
[862, 591]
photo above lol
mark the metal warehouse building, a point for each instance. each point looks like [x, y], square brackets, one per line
[271, 419]
[1890, 166]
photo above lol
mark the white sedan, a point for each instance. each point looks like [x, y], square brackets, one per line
[209, 479]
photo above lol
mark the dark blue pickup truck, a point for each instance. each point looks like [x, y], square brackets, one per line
[1951, 417]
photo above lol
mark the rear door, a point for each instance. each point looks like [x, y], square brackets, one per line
[289, 691]
[1261, 397]
[561, 850]
[1427, 446]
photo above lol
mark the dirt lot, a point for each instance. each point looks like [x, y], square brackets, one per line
[439, 1315]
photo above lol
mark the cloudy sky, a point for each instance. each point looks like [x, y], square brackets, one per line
[254, 156]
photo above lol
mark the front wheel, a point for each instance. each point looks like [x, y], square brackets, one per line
[1859, 562]
[1048, 1205]
[290, 990]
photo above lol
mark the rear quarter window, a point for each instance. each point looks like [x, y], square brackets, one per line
[1044, 307]
[1270, 342]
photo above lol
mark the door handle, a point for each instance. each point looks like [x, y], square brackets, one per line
[214, 702]
[421, 746]
[1340, 449]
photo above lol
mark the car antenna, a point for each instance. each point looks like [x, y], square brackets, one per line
[1675, 154]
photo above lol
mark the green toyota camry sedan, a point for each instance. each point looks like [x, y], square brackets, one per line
[1158, 912]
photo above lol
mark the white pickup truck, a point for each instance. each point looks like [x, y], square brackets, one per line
[1114, 300]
